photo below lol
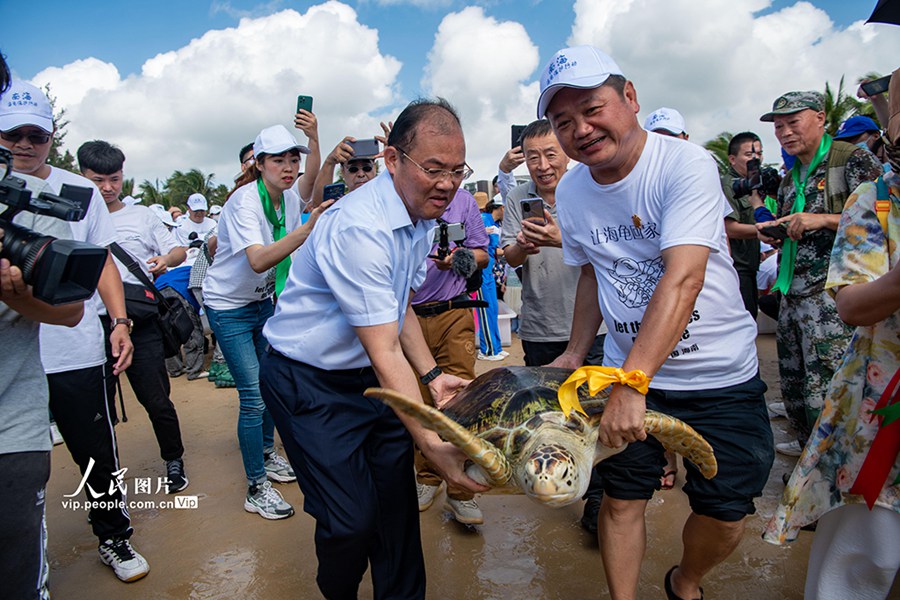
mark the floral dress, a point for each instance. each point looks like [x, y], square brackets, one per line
[845, 429]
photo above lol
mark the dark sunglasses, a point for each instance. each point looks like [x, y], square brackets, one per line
[34, 138]
[355, 168]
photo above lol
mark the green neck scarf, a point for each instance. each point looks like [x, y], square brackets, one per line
[278, 232]
[789, 247]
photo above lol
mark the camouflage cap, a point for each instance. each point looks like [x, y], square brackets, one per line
[795, 102]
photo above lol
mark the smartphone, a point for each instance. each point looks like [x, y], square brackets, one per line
[753, 176]
[305, 103]
[533, 210]
[364, 148]
[333, 191]
[877, 86]
[779, 232]
[517, 135]
[456, 232]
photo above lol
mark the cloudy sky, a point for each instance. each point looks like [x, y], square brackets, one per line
[179, 85]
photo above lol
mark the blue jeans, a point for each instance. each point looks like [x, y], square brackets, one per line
[239, 334]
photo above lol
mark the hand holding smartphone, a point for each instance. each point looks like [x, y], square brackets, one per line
[333, 191]
[876, 86]
[364, 148]
[533, 210]
[304, 103]
[517, 135]
[778, 232]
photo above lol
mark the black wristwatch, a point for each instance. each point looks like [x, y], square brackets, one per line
[126, 322]
[430, 375]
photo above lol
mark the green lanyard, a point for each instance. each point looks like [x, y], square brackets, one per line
[789, 247]
[278, 232]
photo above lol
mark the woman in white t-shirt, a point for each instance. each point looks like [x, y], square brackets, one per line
[258, 230]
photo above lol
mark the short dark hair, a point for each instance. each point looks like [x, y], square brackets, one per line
[739, 140]
[100, 157]
[244, 151]
[617, 82]
[5, 76]
[535, 129]
[403, 133]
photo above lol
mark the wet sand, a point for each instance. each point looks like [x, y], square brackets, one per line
[219, 551]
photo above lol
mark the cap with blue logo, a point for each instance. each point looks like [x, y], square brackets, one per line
[25, 104]
[854, 126]
[667, 119]
[583, 67]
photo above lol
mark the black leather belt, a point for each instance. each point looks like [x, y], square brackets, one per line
[432, 309]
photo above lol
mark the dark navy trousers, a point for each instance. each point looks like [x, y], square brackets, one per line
[354, 464]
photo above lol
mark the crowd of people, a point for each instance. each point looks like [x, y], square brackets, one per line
[631, 250]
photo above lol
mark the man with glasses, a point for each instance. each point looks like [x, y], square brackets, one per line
[355, 170]
[74, 358]
[344, 323]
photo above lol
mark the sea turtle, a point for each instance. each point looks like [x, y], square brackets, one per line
[509, 423]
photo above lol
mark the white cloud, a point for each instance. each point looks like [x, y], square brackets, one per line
[419, 3]
[722, 65]
[482, 66]
[198, 105]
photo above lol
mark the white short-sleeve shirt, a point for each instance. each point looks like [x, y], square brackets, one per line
[70, 348]
[672, 197]
[230, 281]
[140, 233]
[356, 269]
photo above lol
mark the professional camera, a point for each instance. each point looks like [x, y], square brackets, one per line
[59, 271]
[765, 180]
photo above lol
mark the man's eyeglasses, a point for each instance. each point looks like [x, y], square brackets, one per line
[439, 174]
[355, 168]
[35, 138]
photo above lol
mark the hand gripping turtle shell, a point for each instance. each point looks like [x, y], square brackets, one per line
[509, 423]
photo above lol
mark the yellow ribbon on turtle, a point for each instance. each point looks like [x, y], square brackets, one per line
[598, 378]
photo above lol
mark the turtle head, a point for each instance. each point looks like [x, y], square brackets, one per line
[553, 475]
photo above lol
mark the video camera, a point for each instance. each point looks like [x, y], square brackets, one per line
[59, 271]
[764, 180]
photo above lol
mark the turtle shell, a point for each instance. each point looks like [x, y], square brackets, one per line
[512, 401]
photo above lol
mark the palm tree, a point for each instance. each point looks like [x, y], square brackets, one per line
[718, 148]
[127, 188]
[152, 193]
[838, 107]
[180, 185]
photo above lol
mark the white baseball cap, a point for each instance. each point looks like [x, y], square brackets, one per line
[665, 118]
[25, 104]
[131, 200]
[197, 202]
[163, 215]
[582, 67]
[275, 140]
[215, 209]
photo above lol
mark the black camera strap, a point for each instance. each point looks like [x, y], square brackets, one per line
[136, 270]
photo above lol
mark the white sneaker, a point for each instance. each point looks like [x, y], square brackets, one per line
[265, 501]
[55, 435]
[124, 560]
[426, 495]
[776, 409]
[279, 469]
[789, 448]
[465, 511]
[493, 357]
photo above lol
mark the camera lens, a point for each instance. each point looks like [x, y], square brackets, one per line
[24, 248]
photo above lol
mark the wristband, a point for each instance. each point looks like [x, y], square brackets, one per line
[430, 375]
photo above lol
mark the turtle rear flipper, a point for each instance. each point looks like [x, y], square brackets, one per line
[481, 452]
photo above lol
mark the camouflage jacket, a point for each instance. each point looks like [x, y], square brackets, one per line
[814, 248]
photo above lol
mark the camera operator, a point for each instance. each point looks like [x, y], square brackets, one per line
[745, 197]
[444, 311]
[74, 359]
[24, 432]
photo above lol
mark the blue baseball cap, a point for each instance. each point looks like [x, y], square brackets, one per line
[854, 126]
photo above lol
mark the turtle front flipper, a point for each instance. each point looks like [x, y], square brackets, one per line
[481, 452]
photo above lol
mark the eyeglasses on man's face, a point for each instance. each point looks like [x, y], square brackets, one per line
[366, 168]
[436, 175]
[35, 136]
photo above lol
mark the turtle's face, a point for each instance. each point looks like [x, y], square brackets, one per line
[552, 476]
[557, 464]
